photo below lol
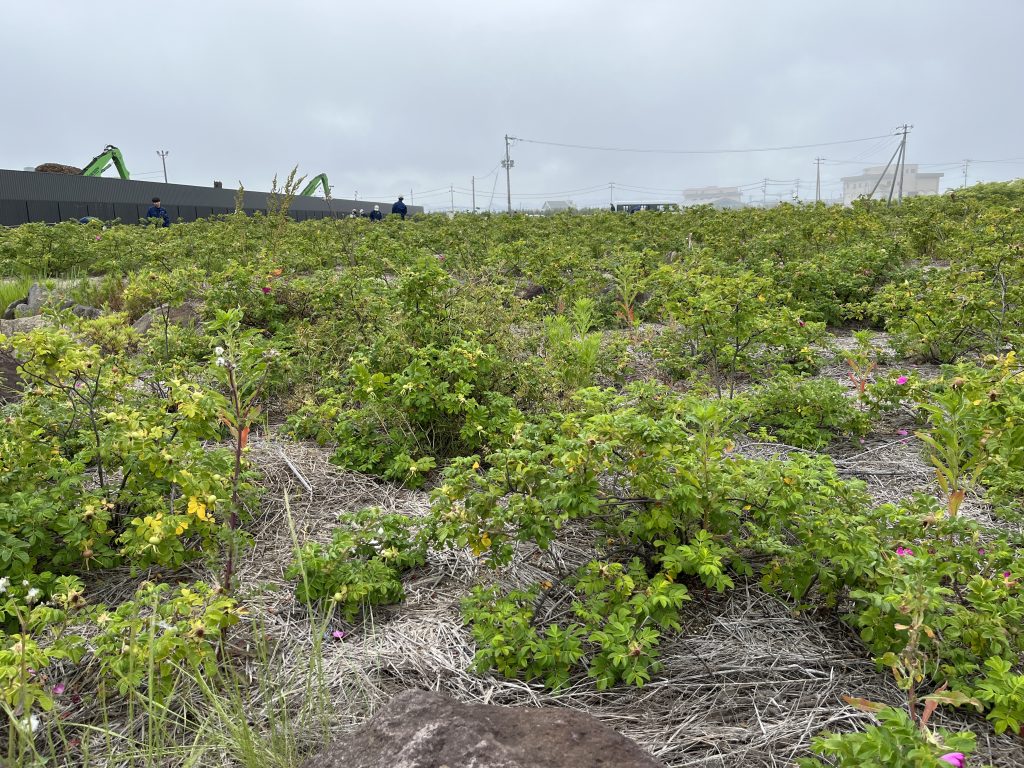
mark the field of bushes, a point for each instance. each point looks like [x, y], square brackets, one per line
[582, 460]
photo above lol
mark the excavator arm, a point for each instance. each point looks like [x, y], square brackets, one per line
[103, 160]
[317, 181]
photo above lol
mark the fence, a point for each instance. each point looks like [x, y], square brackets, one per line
[26, 196]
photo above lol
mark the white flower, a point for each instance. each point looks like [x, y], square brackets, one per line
[32, 723]
[4, 584]
[24, 582]
[221, 361]
[32, 596]
[219, 351]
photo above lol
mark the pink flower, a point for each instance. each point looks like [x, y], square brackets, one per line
[1006, 574]
[97, 237]
[58, 689]
[902, 432]
[904, 551]
[338, 634]
[266, 289]
[802, 323]
[902, 380]
[981, 550]
[959, 759]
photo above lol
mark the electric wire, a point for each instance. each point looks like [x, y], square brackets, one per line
[567, 145]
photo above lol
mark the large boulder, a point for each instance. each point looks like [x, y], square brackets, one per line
[21, 324]
[186, 314]
[419, 729]
[37, 297]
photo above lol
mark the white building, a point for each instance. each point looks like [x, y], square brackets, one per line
[914, 183]
[721, 197]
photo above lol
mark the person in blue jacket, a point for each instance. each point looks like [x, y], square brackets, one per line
[157, 211]
[399, 207]
[375, 214]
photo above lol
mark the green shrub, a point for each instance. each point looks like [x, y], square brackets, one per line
[806, 413]
[399, 425]
[362, 565]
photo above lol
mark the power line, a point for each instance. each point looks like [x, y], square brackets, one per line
[695, 151]
[486, 175]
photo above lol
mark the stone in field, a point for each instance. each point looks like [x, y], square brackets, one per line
[420, 729]
[186, 314]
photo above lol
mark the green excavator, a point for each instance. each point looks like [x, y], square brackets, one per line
[110, 155]
[103, 160]
[317, 181]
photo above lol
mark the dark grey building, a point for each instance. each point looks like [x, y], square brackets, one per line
[27, 196]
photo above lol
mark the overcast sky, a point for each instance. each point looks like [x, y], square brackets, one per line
[391, 97]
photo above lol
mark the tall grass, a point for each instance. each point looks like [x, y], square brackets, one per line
[13, 289]
[253, 715]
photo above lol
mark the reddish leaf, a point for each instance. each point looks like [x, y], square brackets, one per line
[863, 704]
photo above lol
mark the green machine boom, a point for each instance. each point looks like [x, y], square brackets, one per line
[317, 181]
[102, 161]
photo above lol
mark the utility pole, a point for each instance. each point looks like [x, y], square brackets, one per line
[163, 159]
[885, 170]
[355, 195]
[473, 182]
[451, 189]
[410, 195]
[611, 194]
[901, 165]
[764, 193]
[817, 179]
[507, 164]
[966, 163]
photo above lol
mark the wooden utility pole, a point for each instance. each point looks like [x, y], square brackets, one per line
[473, 183]
[817, 179]
[507, 164]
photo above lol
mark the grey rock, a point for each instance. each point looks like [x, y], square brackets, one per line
[420, 729]
[37, 296]
[21, 324]
[186, 314]
[88, 313]
[9, 312]
[531, 291]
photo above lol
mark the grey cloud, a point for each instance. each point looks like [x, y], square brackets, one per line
[385, 98]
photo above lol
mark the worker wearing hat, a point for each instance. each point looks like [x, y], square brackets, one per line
[399, 207]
